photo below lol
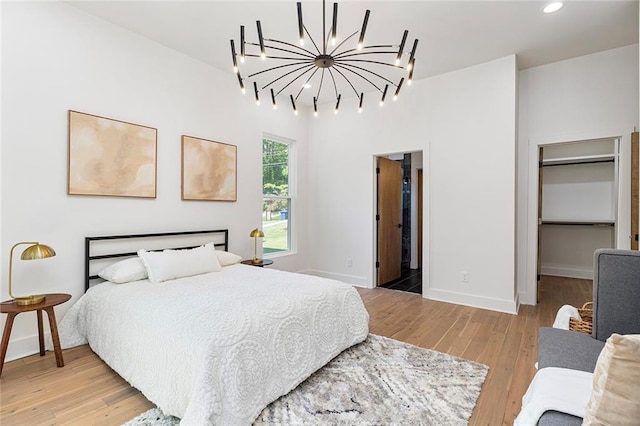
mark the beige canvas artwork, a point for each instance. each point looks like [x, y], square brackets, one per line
[111, 157]
[208, 170]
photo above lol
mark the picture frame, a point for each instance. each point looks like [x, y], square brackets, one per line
[108, 157]
[209, 170]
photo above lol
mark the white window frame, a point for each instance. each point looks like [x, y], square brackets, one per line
[292, 186]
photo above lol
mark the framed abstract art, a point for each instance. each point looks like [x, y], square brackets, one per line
[208, 170]
[111, 157]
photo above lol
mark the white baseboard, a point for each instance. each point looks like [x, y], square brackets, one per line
[500, 305]
[350, 279]
[25, 346]
[567, 271]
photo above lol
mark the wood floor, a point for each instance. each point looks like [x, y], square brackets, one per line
[86, 392]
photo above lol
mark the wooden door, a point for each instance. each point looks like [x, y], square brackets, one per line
[635, 190]
[539, 260]
[389, 218]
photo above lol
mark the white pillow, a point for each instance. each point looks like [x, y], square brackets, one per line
[124, 271]
[170, 264]
[226, 259]
[616, 383]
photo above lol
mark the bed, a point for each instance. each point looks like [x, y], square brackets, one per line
[216, 347]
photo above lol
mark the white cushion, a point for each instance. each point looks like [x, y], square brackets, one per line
[227, 259]
[171, 264]
[124, 271]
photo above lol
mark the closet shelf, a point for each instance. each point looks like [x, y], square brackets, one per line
[583, 159]
[578, 222]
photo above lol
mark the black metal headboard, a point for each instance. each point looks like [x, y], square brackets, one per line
[222, 234]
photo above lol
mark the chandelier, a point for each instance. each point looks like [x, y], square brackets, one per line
[307, 67]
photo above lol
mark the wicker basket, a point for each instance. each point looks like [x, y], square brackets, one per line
[586, 324]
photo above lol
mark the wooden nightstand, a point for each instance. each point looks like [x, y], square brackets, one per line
[261, 263]
[12, 309]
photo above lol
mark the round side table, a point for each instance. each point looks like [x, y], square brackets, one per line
[12, 310]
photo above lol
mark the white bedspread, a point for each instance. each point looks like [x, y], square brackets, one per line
[218, 348]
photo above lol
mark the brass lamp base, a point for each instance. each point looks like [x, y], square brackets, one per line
[30, 300]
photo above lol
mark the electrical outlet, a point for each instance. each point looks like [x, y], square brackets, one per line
[349, 262]
[464, 276]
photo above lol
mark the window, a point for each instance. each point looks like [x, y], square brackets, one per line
[276, 195]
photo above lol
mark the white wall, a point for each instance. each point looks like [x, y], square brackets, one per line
[589, 97]
[56, 58]
[464, 122]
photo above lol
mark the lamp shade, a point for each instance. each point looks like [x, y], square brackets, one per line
[37, 251]
[256, 233]
[33, 252]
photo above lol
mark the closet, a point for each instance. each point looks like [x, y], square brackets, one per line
[578, 205]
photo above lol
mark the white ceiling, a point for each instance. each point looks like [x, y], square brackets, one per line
[452, 34]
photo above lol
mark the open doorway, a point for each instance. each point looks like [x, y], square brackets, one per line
[398, 215]
[577, 209]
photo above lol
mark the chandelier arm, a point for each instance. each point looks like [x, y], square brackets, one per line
[280, 57]
[361, 76]
[272, 69]
[289, 44]
[293, 52]
[370, 62]
[284, 75]
[305, 83]
[377, 46]
[342, 42]
[369, 71]
[324, 28]
[347, 80]
[342, 56]
[312, 40]
[309, 68]
[310, 56]
[335, 86]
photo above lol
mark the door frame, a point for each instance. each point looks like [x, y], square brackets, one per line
[529, 286]
[426, 217]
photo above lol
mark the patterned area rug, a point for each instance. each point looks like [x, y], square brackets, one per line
[379, 381]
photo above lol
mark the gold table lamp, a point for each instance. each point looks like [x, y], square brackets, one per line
[255, 234]
[34, 252]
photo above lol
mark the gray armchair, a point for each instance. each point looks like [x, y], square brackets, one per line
[616, 309]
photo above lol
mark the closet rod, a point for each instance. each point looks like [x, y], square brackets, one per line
[553, 222]
[573, 163]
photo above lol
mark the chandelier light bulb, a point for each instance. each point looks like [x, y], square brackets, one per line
[335, 111]
[243, 90]
[235, 70]
[242, 59]
[301, 42]
[263, 56]
[257, 103]
[409, 82]
[395, 97]
[315, 113]
[359, 109]
[359, 46]
[295, 112]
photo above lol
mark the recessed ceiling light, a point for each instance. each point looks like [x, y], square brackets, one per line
[553, 6]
